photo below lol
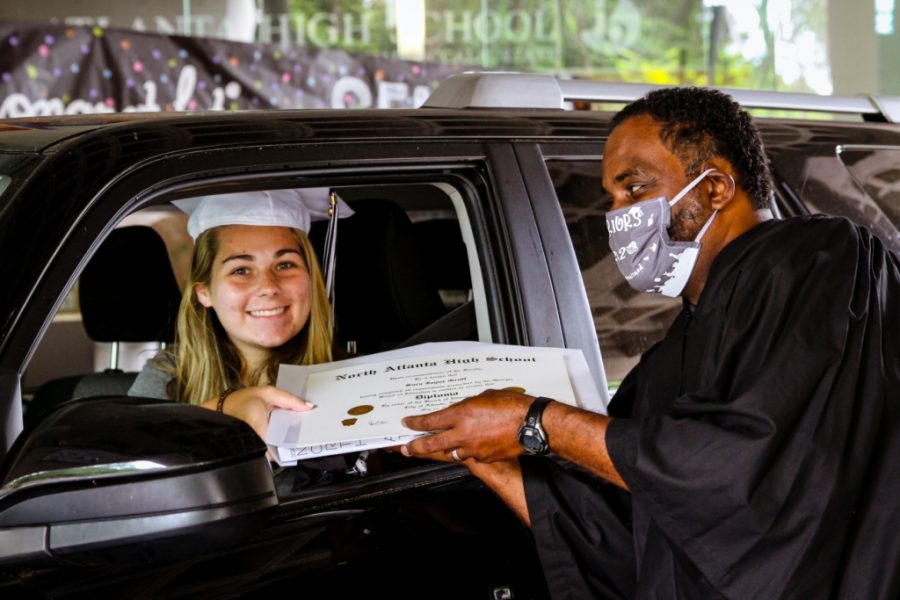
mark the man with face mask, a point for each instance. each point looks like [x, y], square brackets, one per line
[755, 451]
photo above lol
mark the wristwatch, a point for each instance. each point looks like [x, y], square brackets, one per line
[532, 436]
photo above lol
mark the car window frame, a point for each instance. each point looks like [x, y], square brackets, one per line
[572, 302]
[306, 164]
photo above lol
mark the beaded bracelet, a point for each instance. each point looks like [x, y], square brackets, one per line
[220, 405]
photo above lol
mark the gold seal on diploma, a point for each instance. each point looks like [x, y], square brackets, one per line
[360, 410]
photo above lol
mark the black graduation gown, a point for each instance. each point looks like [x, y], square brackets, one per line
[760, 440]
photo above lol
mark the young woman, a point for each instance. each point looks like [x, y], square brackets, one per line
[255, 299]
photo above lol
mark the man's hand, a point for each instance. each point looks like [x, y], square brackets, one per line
[484, 428]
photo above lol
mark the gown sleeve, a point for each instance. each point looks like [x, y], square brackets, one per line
[582, 526]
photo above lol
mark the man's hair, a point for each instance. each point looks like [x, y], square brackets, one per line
[699, 123]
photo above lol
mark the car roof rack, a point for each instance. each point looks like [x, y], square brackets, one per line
[545, 91]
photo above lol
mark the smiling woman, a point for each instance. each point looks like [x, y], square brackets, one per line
[255, 299]
[259, 287]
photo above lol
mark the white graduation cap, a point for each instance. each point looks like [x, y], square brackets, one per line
[296, 208]
[275, 208]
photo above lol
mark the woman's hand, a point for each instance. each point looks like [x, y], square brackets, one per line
[253, 405]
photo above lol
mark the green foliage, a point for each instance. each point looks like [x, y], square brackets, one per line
[655, 41]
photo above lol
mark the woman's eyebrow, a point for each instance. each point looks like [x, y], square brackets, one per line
[249, 257]
[284, 251]
[237, 257]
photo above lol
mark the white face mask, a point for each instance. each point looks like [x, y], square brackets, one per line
[645, 254]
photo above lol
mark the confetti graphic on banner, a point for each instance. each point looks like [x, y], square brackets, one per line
[57, 69]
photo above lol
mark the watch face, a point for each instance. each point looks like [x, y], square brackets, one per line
[531, 440]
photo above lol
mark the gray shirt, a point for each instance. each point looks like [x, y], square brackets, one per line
[156, 379]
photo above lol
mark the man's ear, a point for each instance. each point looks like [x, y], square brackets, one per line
[202, 291]
[721, 188]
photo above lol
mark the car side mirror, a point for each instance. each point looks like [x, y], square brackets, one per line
[113, 480]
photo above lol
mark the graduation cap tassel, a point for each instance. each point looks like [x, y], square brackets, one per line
[331, 246]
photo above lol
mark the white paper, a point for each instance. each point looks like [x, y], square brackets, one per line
[361, 401]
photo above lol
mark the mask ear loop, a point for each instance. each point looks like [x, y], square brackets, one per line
[690, 186]
[706, 226]
[713, 215]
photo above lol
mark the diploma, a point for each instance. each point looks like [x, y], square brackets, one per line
[360, 404]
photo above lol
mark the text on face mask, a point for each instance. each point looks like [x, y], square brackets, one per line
[624, 251]
[630, 220]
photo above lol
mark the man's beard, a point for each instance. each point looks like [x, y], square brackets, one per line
[688, 217]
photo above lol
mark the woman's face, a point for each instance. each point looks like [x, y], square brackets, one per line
[259, 288]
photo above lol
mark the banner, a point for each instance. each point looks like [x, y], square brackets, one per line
[50, 69]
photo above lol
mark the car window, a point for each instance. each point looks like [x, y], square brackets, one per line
[627, 322]
[421, 231]
[877, 171]
[429, 243]
[10, 166]
[85, 355]
[855, 182]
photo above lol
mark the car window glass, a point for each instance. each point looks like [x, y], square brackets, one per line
[877, 171]
[96, 365]
[10, 166]
[627, 322]
[406, 259]
[857, 183]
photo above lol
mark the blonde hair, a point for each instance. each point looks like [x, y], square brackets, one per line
[207, 362]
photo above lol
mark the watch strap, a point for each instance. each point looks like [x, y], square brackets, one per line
[532, 430]
[536, 411]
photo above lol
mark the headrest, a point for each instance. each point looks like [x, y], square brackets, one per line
[128, 291]
[382, 290]
[443, 250]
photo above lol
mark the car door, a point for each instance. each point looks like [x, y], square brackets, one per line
[324, 531]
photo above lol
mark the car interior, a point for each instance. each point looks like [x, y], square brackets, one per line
[127, 293]
[403, 276]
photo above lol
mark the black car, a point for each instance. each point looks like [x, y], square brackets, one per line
[477, 217]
